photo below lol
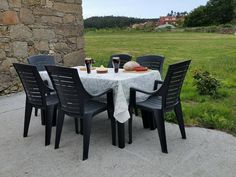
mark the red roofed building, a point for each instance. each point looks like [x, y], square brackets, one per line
[167, 20]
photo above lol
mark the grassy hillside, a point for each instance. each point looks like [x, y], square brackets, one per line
[212, 52]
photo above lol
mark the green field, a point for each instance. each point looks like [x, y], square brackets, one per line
[215, 53]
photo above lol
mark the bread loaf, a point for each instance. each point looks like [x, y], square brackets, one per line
[129, 66]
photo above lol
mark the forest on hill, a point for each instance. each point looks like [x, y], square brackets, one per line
[112, 22]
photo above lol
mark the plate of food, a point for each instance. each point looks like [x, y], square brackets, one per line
[140, 69]
[101, 70]
[85, 69]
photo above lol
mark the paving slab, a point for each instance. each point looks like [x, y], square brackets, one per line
[205, 153]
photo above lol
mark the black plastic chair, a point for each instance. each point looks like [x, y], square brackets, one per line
[76, 102]
[40, 61]
[37, 96]
[123, 59]
[162, 100]
[153, 62]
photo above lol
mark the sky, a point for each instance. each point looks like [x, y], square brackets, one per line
[137, 8]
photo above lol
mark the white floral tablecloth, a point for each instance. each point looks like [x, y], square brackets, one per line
[120, 82]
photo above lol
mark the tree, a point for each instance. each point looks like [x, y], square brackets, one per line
[220, 11]
[214, 13]
[197, 17]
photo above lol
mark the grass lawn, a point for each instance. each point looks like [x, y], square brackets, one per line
[215, 53]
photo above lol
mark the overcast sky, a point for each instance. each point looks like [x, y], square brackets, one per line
[137, 8]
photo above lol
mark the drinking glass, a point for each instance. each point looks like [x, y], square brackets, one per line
[116, 63]
[88, 64]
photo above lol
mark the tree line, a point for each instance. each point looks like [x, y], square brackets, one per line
[112, 22]
[215, 12]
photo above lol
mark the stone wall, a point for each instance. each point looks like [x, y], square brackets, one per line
[30, 27]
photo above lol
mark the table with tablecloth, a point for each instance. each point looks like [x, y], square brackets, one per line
[120, 82]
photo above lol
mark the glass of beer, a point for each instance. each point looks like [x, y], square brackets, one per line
[88, 64]
[116, 63]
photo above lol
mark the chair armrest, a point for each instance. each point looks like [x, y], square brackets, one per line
[156, 84]
[132, 102]
[132, 89]
[102, 93]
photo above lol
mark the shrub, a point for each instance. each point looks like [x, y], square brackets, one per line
[206, 84]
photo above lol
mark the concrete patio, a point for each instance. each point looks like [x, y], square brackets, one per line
[206, 153]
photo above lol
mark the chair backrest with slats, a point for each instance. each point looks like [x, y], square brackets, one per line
[173, 83]
[124, 58]
[69, 88]
[41, 60]
[32, 83]
[154, 62]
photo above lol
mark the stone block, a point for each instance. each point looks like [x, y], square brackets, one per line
[5, 81]
[68, 30]
[69, 18]
[2, 54]
[9, 18]
[51, 19]
[80, 42]
[74, 58]
[32, 2]
[20, 49]
[42, 11]
[57, 57]
[14, 3]
[26, 16]
[68, 8]
[69, 1]
[6, 64]
[20, 32]
[60, 46]
[42, 46]
[43, 34]
[72, 40]
[48, 4]
[4, 5]
[78, 1]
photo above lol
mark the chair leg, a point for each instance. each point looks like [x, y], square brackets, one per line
[28, 111]
[160, 122]
[151, 121]
[113, 126]
[130, 124]
[87, 121]
[48, 128]
[54, 120]
[60, 121]
[76, 126]
[145, 119]
[36, 112]
[43, 119]
[81, 126]
[136, 111]
[179, 116]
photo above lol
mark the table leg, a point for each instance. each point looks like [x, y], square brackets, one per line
[152, 124]
[121, 135]
[148, 121]
[145, 119]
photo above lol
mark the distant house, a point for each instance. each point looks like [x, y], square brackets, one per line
[167, 20]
